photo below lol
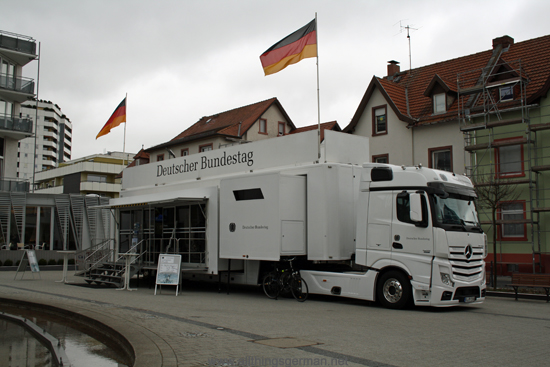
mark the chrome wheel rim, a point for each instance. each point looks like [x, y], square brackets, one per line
[393, 290]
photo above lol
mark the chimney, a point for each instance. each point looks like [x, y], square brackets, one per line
[393, 67]
[505, 41]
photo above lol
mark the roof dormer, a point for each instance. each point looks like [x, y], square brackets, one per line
[441, 94]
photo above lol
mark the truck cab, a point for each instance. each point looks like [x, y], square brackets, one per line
[418, 230]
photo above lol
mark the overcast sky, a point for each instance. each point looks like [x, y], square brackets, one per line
[181, 60]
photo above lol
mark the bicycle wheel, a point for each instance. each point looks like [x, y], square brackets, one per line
[284, 284]
[299, 289]
[270, 284]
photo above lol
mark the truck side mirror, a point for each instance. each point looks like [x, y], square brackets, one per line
[415, 208]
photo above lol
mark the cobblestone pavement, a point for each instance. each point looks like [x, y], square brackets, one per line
[201, 327]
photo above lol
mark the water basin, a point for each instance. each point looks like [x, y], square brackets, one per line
[19, 347]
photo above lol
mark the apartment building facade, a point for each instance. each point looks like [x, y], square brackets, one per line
[97, 174]
[53, 139]
[16, 51]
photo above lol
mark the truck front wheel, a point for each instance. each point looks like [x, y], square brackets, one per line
[393, 290]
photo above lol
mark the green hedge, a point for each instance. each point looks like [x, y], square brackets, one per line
[8, 262]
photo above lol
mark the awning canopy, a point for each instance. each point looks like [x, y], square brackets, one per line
[166, 202]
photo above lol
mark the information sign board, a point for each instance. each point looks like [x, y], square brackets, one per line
[168, 271]
[28, 258]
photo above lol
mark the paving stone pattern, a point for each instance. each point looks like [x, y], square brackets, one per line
[202, 327]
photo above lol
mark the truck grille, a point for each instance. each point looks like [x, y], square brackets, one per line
[467, 262]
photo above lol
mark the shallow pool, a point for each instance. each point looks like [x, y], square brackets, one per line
[18, 347]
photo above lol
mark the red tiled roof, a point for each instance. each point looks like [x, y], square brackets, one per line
[234, 122]
[142, 156]
[333, 125]
[532, 57]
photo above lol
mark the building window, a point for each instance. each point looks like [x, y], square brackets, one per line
[381, 158]
[441, 158]
[509, 160]
[281, 129]
[263, 126]
[97, 178]
[184, 152]
[506, 93]
[160, 157]
[440, 105]
[379, 120]
[205, 148]
[513, 227]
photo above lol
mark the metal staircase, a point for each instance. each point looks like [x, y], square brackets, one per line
[100, 267]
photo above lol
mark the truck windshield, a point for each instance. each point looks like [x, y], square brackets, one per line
[455, 212]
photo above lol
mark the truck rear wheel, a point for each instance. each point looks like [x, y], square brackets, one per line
[393, 290]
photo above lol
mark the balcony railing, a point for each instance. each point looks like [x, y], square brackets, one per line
[21, 85]
[15, 123]
[14, 185]
[17, 42]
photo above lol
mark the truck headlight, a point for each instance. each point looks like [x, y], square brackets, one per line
[446, 279]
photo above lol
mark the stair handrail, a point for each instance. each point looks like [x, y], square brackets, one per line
[133, 249]
[91, 260]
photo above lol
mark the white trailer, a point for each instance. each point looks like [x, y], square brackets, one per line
[362, 230]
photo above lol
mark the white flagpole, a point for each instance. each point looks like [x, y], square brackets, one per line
[126, 109]
[318, 99]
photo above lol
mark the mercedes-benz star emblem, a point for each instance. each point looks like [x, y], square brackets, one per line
[468, 252]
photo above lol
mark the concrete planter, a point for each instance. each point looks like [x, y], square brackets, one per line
[42, 268]
[40, 254]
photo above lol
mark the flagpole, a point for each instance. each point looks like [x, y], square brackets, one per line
[124, 143]
[318, 99]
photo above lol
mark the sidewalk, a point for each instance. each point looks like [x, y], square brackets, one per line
[201, 327]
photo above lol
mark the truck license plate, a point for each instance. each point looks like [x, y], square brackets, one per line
[469, 299]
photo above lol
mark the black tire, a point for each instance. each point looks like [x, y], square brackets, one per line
[299, 289]
[270, 285]
[394, 290]
[284, 284]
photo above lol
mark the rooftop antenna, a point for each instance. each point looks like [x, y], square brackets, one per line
[408, 28]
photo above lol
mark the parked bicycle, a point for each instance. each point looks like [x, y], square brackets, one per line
[285, 280]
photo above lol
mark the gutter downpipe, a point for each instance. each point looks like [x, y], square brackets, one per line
[410, 126]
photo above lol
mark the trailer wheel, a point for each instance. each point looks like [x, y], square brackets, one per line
[393, 290]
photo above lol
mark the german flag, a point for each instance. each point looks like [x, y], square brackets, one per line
[291, 49]
[118, 117]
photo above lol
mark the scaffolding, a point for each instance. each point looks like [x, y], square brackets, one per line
[497, 123]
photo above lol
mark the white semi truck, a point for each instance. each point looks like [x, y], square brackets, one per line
[377, 232]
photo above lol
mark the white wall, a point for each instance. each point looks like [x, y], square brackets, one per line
[439, 135]
[397, 142]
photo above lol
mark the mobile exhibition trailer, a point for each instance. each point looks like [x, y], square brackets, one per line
[361, 230]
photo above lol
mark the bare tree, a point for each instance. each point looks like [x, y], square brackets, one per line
[492, 194]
